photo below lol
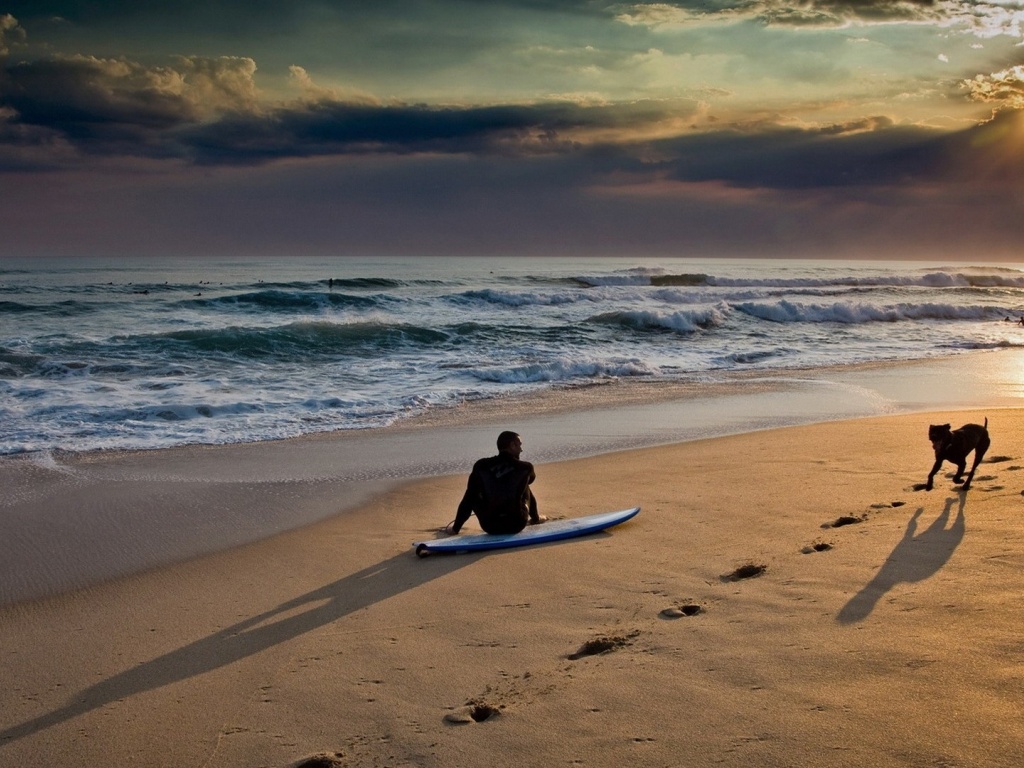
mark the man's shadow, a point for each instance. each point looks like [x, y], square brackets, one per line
[246, 638]
[915, 558]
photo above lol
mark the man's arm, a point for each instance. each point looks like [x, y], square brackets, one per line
[535, 516]
[466, 505]
[533, 473]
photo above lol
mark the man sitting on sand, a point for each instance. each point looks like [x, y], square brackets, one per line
[499, 491]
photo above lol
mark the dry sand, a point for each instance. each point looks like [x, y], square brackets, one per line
[895, 640]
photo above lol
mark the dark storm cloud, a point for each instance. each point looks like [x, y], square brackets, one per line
[207, 111]
[72, 93]
[860, 156]
[870, 152]
[334, 128]
[860, 159]
[115, 106]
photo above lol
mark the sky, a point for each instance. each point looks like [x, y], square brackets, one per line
[696, 128]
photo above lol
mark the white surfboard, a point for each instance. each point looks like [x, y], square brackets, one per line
[533, 534]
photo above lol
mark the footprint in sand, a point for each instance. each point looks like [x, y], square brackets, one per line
[1000, 459]
[601, 645]
[686, 609]
[888, 504]
[839, 522]
[473, 712]
[748, 571]
[819, 546]
[321, 760]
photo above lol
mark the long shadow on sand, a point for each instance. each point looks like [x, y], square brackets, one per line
[915, 558]
[279, 625]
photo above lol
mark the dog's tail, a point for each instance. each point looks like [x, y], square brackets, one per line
[986, 422]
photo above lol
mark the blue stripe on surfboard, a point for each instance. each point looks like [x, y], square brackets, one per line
[535, 534]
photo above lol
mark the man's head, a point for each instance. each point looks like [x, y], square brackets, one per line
[510, 442]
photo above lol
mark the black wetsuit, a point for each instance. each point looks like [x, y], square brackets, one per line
[499, 493]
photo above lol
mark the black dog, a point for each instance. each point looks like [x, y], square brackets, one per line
[954, 445]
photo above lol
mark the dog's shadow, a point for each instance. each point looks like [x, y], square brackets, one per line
[915, 558]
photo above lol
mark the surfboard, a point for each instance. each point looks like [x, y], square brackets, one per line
[555, 530]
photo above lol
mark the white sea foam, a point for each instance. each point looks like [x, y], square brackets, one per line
[854, 312]
[681, 321]
[563, 370]
[529, 298]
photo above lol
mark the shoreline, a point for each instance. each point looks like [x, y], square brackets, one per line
[602, 395]
[75, 520]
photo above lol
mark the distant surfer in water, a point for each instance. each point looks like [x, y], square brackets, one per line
[499, 492]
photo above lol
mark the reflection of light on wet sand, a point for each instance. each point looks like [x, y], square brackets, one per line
[966, 381]
[994, 379]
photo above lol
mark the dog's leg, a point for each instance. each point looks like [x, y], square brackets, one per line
[979, 454]
[931, 475]
[961, 465]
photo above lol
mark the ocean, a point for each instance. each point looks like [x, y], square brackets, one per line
[147, 353]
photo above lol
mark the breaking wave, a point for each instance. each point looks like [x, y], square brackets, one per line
[682, 321]
[852, 313]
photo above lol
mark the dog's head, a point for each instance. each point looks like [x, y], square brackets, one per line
[938, 434]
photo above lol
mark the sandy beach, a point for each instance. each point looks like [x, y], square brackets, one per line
[880, 629]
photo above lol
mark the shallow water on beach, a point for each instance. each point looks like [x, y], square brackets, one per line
[160, 353]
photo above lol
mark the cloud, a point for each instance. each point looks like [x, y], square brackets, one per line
[988, 19]
[859, 154]
[116, 106]
[210, 112]
[68, 89]
[1003, 89]
[823, 13]
[9, 30]
[326, 128]
[985, 19]
[865, 159]
[311, 91]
